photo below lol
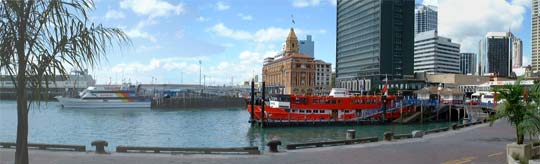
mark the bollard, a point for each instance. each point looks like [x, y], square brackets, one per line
[273, 144]
[454, 126]
[100, 146]
[417, 134]
[351, 134]
[388, 136]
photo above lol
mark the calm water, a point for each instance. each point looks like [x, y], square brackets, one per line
[223, 127]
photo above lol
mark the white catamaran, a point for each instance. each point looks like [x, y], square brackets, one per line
[94, 97]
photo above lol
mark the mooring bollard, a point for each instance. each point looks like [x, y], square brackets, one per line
[273, 144]
[417, 134]
[100, 146]
[351, 134]
[454, 126]
[388, 136]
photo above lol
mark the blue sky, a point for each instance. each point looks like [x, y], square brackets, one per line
[231, 37]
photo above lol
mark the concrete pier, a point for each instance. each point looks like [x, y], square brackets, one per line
[473, 144]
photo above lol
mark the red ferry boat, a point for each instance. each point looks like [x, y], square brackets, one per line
[339, 107]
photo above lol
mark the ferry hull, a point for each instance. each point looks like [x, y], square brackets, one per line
[98, 103]
[281, 114]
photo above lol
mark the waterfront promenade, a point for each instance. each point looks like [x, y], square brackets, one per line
[477, 144]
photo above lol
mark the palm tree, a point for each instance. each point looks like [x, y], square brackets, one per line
[42, 39]
[516, 107]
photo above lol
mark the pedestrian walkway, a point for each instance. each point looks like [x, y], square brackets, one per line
[477, 144]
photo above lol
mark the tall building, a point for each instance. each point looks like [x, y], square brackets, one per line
[535, 36]
[307, 46]
[375, 39]
[323, 73]
[496, 54]
[517, 53]
[434, 54]
[467, 64]
[425, 18]
[292, 73]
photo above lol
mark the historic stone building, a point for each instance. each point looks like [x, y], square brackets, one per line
[292, 73]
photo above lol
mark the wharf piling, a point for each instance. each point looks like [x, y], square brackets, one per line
[262, 103]
[252, 102]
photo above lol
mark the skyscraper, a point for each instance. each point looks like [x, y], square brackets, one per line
[434, 54]
[535, 36]
[517, 53]
[375, 38]
[307, 46]
[425, 18]
[496, 54]
[467, 63]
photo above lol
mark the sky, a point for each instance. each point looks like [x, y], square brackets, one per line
[232, 37]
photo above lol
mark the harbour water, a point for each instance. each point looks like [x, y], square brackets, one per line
[220, 127]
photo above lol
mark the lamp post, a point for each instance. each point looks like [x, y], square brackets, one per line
[438, 100]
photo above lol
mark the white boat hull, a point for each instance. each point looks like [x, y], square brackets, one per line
[101, 103]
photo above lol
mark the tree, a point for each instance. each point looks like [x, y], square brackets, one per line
[516, 107]
[42, 39]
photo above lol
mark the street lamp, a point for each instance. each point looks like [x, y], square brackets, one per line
[438, 99]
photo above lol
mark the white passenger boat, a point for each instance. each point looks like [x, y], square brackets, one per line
[94, 97]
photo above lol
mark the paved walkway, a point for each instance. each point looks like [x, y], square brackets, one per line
[479, 144]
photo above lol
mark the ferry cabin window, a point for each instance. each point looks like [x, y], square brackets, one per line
[346, 111]
[294, 110]
[308, 111]
[321, 111]
[315, 101]
[333, 101]
[302, 111]
[287, 110]
[315, 111]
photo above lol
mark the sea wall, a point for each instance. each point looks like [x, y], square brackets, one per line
[199, 102]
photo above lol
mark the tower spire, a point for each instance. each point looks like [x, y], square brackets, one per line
[291, 44]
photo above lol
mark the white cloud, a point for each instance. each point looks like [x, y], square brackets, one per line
[114, 14]
[248, 63]
[305, 3]
[245, 17]
[220, 5]
[261, 35]
[152, 8]
[467, 21]
[272, 34]
[202, 19]
[188, 65]
[221, 30]
[137, 31]
[431, 2]
[526, 3]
